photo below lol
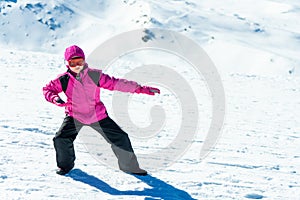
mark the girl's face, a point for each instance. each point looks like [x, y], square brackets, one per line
[77, 68]
[76, 64]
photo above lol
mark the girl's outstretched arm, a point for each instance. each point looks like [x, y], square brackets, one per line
[123, 85]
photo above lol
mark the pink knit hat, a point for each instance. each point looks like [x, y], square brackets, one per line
[73, 51]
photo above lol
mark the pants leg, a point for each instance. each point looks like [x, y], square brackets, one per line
[120, 144]
[63, 143]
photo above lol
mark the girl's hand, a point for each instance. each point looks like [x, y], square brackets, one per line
[147, 90]
[59, 102]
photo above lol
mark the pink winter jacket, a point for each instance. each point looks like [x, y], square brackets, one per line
[83, 95]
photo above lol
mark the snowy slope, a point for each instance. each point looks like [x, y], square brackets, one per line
[257, 155]
[255, 47]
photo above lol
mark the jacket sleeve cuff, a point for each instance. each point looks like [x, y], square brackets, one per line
[54, 98]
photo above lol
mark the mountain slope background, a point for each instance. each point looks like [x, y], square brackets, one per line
[232, 33]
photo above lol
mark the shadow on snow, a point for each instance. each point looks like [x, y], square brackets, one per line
[160, 189]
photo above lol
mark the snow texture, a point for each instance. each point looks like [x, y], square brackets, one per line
[255, 47]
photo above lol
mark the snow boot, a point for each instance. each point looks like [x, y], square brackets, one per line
[139, 172]
[61, 171]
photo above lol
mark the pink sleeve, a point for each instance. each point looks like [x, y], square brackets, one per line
[112, 83]
[52, 89]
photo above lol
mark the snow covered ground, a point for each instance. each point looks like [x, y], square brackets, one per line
[255, 47]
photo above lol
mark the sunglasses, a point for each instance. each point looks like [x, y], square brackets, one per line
[76, 62]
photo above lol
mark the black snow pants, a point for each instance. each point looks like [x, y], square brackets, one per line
[113, 134]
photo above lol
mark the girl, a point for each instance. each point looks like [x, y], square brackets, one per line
[81, 85]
